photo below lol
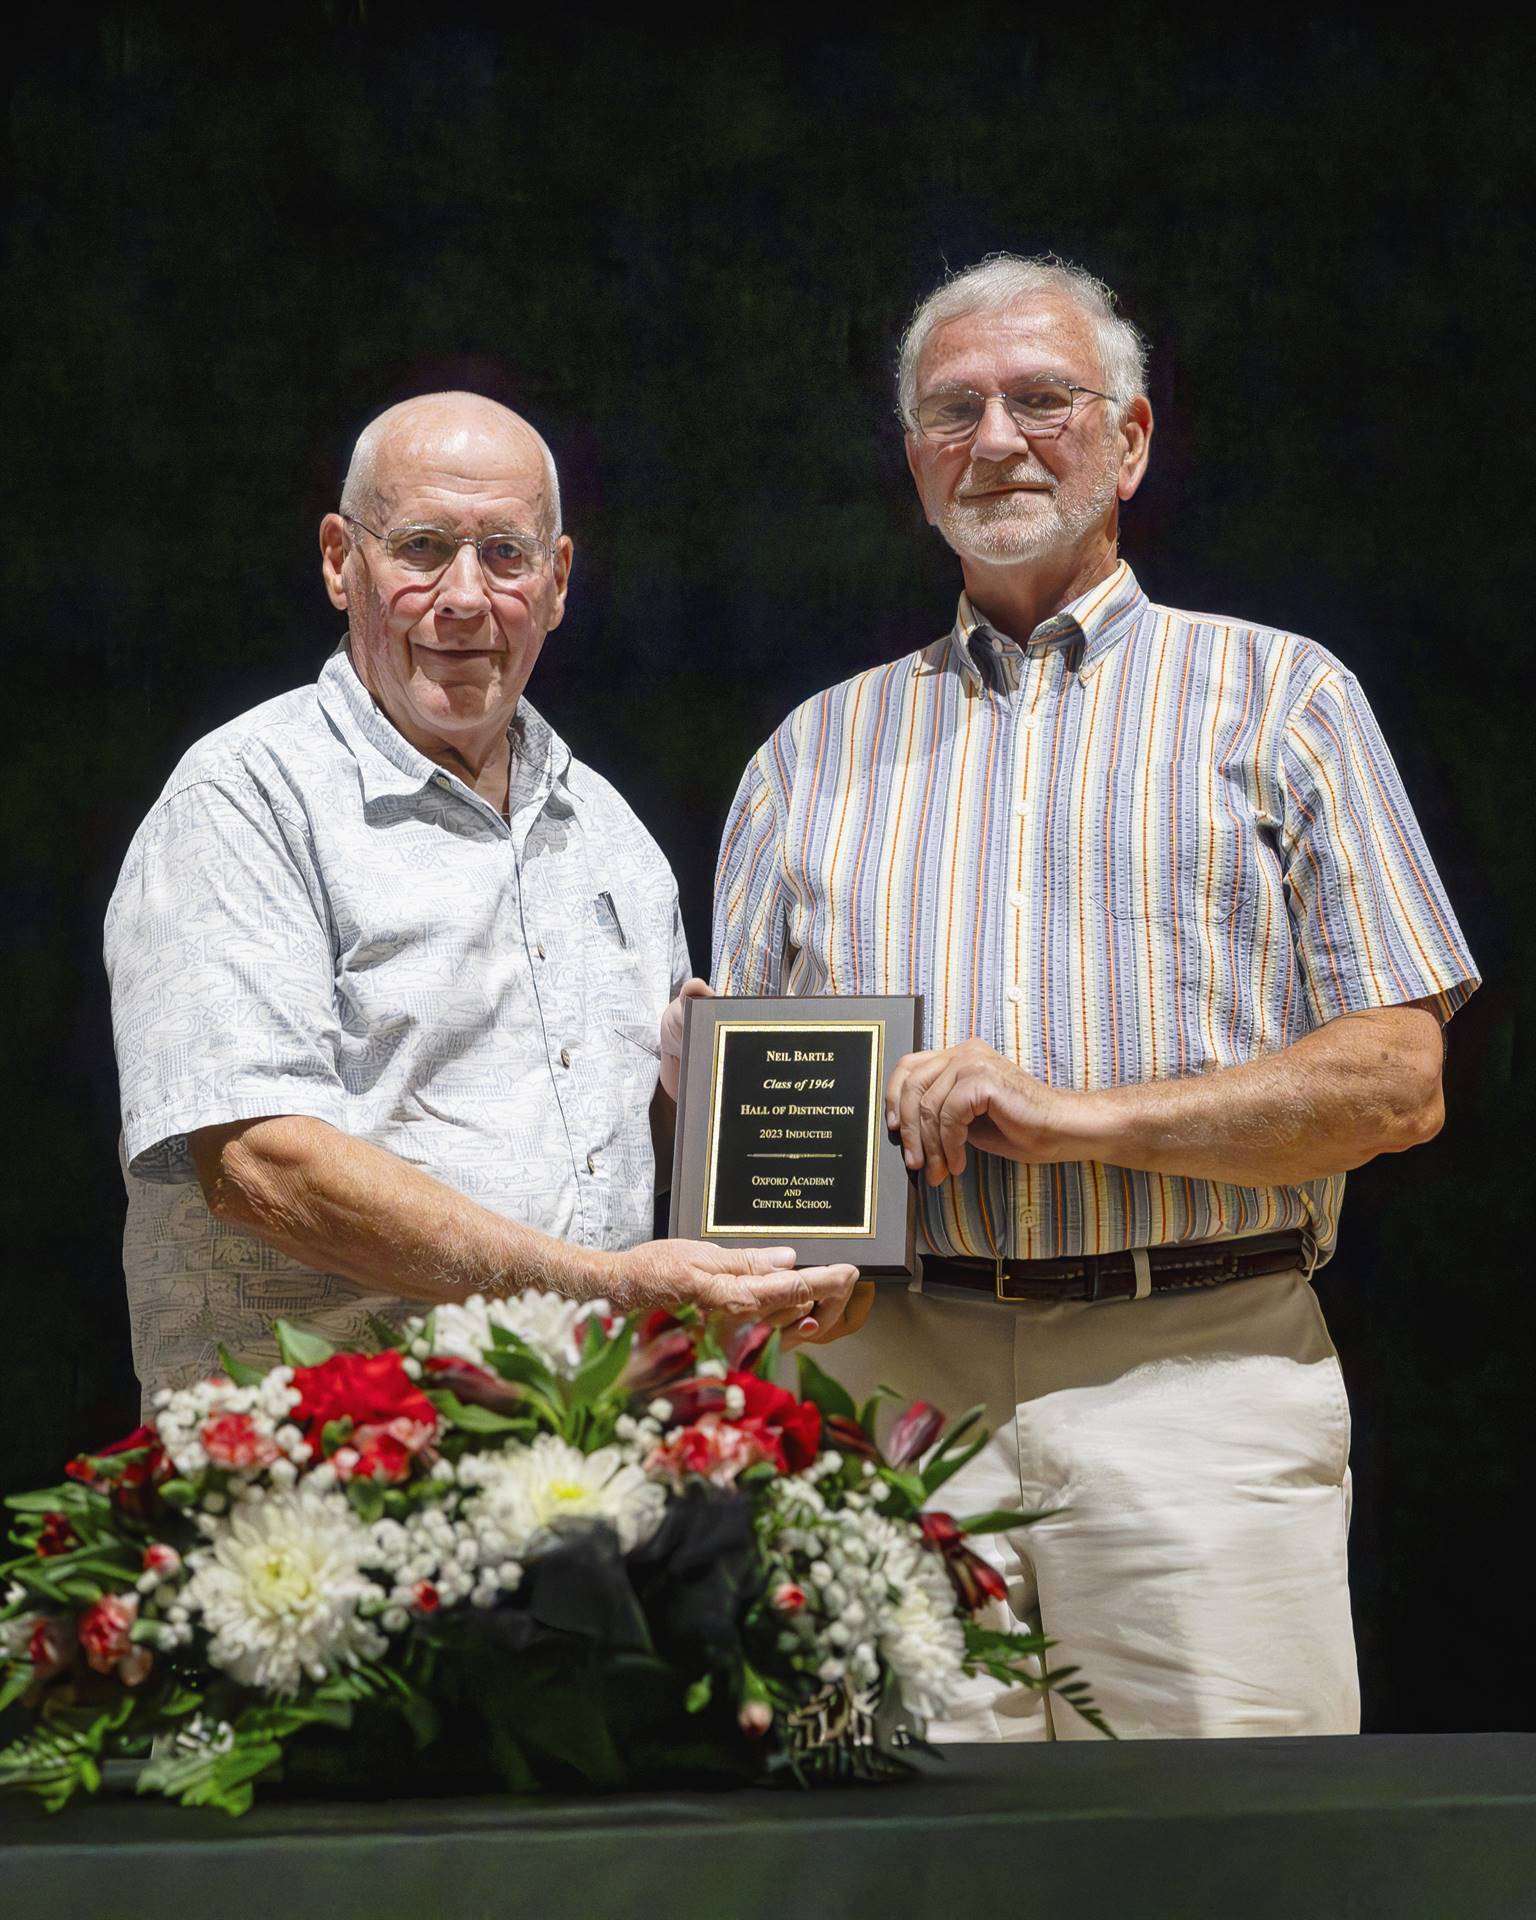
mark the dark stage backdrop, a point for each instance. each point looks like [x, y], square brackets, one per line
[689, 264]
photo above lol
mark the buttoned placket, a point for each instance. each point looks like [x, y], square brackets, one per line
[515, 828]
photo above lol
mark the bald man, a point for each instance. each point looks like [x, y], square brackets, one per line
[388, 964]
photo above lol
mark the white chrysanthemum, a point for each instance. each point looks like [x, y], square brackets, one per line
[525, 1495]
[279, 1585]
[921, 1636]
[547, 1322]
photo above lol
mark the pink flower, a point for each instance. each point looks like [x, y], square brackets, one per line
[788, 1598]
[51, 1647]
[425, 1597]
[161, 1558]
[713, 1449]
[913, 1434]
[134, 1666]
[232, 1440]
[105, 1628]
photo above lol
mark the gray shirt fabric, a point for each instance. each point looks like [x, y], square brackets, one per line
[315, 919]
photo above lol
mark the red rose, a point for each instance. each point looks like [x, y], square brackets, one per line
[392, 1419]
[105, 1627]
[793, 1426]
[58, 1536]
[231, 1440]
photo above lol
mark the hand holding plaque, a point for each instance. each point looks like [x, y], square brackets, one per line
[781, 1128]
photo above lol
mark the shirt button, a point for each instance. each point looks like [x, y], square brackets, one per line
[1015, 899]
[591, 1163]
[439, 779]
[1021, 808]
[565, 1056]
[1015, 994]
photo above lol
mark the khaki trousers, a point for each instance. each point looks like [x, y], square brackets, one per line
[1198, 1444]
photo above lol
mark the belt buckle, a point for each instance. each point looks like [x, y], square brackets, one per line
[1000, 1283]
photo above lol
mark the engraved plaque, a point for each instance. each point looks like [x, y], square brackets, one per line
[781, 1128]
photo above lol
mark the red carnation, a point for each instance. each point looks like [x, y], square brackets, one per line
[232, 1440]
[105, 1628]
[51, 1647]
[392, 1419]
[426, 1597]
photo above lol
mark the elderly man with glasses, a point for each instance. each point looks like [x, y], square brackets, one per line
[1184, 961]
[388, 963]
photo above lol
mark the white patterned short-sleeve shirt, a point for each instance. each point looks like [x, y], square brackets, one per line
[316, 919]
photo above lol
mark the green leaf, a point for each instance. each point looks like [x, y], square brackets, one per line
[71, 1497]
[600, 1366]
[768, 1360]
[910, 1484]
[822, 1390]
[367, 1498]
[473, 1419]
[298, 1348]
[14, 1685]
[697, 1697]
[335, 1433]
[1000, 1519]
[240, 1371]
[179, 1493]
[389, 1337]
[938, 1470]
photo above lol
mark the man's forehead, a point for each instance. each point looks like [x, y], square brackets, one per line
[1039, 335]
[462, 469]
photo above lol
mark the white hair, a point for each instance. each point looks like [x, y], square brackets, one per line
[359, 489]
[1002, 281]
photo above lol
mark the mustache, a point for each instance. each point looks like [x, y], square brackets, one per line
[1026, 473]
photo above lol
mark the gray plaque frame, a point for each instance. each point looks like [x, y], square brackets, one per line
[885, 1250]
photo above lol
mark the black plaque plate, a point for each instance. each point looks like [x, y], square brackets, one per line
[781, 1128]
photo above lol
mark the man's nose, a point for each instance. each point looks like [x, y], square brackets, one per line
[998, 435]
[461, 589]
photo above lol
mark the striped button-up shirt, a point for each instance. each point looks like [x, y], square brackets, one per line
[1148, 844]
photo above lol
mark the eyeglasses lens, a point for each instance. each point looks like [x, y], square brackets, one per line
[1044, 406]
[504, 556]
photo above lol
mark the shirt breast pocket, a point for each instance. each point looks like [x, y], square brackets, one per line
[1173, 860]
[621, 993]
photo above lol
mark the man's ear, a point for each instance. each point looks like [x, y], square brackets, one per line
[1135, 446]
[563, 555]
[333, 554]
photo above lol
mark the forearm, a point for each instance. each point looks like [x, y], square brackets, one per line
[344, 1206]
[1364, 1084]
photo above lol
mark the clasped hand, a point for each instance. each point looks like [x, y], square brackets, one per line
[943, 1101]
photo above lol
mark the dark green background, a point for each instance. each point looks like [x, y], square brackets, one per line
[688, 261]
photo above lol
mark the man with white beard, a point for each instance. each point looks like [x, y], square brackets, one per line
[1184, 961]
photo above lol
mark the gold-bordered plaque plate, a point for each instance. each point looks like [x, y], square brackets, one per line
[806, 1143]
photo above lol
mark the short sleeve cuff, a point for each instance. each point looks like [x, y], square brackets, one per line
[155, 1142]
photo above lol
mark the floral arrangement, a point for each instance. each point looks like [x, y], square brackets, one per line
[523, 1542]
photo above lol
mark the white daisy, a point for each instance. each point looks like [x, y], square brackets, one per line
[525, 1495]
[279, 1585]
[921, 1636]
[547, 1322]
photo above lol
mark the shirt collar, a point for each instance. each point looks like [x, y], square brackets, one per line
[1099, 618]
[390, 767]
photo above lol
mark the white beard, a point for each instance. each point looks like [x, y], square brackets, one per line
[1010, 528]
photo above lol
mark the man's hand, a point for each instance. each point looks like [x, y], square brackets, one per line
[672, 1032]
[742, 1283]
[970, 1094]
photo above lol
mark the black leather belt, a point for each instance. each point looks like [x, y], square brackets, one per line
[1115, 1276]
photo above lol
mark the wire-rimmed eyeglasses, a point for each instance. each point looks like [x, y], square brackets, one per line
[508, 556]
[1039, 408]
